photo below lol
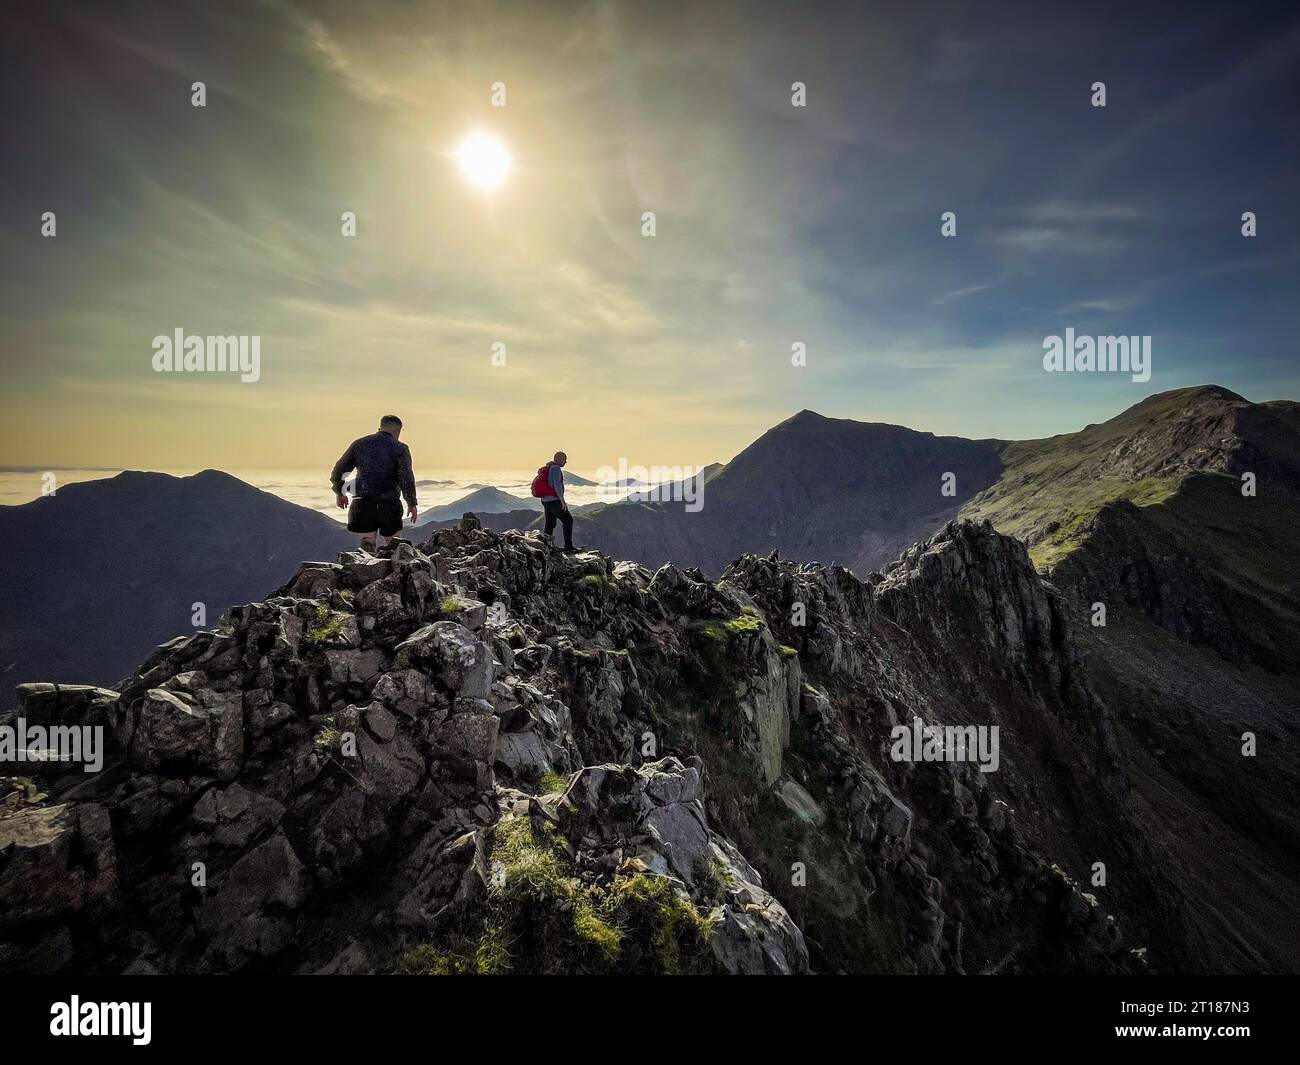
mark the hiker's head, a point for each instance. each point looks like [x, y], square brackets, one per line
[561, 458]
[390, 423]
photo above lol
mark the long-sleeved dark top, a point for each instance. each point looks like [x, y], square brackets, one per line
[383, 465]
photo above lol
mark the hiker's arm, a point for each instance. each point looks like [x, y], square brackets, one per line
[342, 468]
[406, 481]
[557, 484]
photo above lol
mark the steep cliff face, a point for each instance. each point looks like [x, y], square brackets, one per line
[1196, 654]
[1208, 565]
[1172, 529]
[484, 756]
[961, 631]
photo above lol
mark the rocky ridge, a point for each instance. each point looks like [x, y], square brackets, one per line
[480, 755]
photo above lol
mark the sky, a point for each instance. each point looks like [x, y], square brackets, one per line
[775, 224]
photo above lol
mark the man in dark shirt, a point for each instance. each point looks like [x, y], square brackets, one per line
[384, 477]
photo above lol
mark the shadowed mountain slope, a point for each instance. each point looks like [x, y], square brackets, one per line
[1173, 529]
[820, 489]
[99, 573]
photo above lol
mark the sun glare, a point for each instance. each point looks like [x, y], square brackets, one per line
[483, 160]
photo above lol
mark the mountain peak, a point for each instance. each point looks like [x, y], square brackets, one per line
[1193, 395]
[805, 417]
[214, 477]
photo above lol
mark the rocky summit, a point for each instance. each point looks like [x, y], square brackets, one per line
[481, 756]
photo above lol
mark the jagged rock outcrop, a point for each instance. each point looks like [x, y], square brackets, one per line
[483, 756]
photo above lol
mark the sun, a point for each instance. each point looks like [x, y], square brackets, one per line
[483, 160]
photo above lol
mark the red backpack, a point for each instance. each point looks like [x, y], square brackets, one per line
[542, 483]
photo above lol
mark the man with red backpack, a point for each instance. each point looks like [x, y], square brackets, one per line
[548, 486]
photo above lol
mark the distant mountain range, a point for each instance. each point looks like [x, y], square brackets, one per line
[98, 574]
[857, 493]
[484, 500]
[814, 488]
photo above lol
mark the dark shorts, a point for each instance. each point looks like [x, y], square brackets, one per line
[375, 514]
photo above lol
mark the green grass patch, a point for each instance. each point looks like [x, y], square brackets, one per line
[552, 782]
[328, 627]
[539, 918]
[326, 739]
[1073, 508]
[1247, 546]
[721, 631]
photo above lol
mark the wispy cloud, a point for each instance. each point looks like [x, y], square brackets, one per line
[953, 295]
[1107, 304]
[330, 52]
[1066, 227]
[1068, 213]
[1040, 240]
